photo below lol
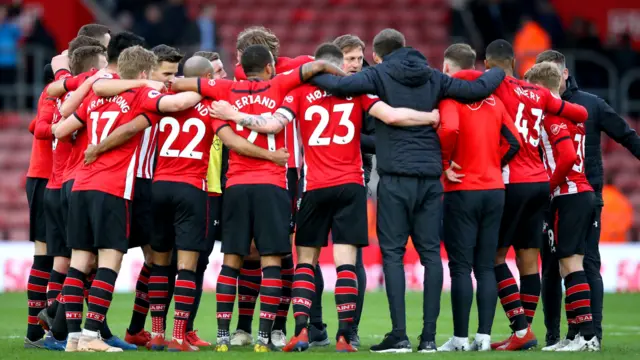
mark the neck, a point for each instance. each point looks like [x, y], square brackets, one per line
[112, 68]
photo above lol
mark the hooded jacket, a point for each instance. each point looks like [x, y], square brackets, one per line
[404, 79]
[602, 118]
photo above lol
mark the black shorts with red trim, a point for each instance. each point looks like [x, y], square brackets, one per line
[292, 187]
[340, 209]
[180, 212]
[573, 222]
[523, 215]
[56, 227]
[35, 196]
[259, 212]
[100, 221]
[142, 220]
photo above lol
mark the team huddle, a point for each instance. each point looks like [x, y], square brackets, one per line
[126, 154]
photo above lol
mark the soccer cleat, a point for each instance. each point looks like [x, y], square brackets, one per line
[528, 341]
[392, 344]
[318, 337]
[95, 344]
[455, 344]
[50, 343]
[44, 320]
[343, 346]
[482, 342]
[298, 343]
[355, 338]
[552, 339]
[140, 338]
[496, 345]
[222, 344]
[559, 345]
[262, 347]
[183, 346]
[193, 339]
[72, 344]
[37, 344]
[241, 338]
[157, 343]
[116, 342]
[580, 344]
[427, 346]
[278, 338]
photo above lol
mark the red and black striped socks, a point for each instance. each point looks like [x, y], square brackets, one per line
[73, 294]
[184, 295]
[158, 296]
[578, 302]
[530, 294]
[303, 294]
[346, 295]
[286, 274]
[100, 296]
[270, 293]
[225, 297]
[510, 298]
[141, 302]
[37, 294]
[248, 291]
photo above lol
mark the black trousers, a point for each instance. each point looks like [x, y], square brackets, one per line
[410, 206]
[552, 283]
[471, 229]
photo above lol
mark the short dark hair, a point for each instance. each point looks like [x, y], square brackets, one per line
[388, 41]
[81, 41]
[462, 55]
[258, 35]
[348, 42]
[552, 56]
[500, 50]
[167, 53]
[85, 58]
[209, 55]
[121, 41]
[94, 30]
[329, 52]
[255, 58]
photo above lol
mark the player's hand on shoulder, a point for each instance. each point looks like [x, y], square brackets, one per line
[280, 157]
[221, 110]
[156, 85]
[451, 173]
[90, 155]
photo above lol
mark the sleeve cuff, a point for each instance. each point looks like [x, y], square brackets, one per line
[199, 88]
[158, 102]
[370, 106]
[286, 112]
[148, 119]
[220, 128]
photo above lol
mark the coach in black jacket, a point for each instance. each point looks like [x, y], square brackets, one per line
[602, 118]
[409, 164]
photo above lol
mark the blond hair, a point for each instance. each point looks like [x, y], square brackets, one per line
[84, 58]
[134, 60]
[546, 74]
[258, 35]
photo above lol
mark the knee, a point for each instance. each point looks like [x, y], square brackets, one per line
[459, 268]
[392, 253]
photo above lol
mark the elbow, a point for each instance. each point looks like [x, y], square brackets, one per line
[274, 129]
[60, 134]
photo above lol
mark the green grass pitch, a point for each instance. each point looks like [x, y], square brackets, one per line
[621, 318]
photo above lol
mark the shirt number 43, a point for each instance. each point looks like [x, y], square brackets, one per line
[523, 129]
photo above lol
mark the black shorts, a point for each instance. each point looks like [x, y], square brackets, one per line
[292, 187]
[574, 220]
[100, 221]
[340, 209]
[260, 212]
[35, 197]
[523, 215]
[142, 218]
[65, 195]
[56, 235]
[179, 217]
[214, 231]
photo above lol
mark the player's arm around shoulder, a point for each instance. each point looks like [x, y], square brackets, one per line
[243, 147]
[403, 116]
[111, 87]
[178, 102]
[266, 123]
[361, 83]
[119, 136]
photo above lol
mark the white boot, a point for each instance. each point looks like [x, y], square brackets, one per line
[455, 344]
[482, 342]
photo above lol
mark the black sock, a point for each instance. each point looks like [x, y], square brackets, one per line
[346, 295]
[315, 316]
[361, 273]
[303, 295]
[158, 293]
[286, 275]
[226, 288]
[54, 289]
[510, 297]
[59, 328]
[530, 294]
[579, 300]
[100, 296]
[73, 294]
[196, 301]
[184, 294]
[270, 293]
[37, 294]
[141, 302]
[248, 291]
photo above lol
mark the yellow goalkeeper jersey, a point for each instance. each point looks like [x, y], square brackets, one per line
[215, 167]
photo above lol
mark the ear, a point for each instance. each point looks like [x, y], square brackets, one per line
[376, 58]
[565, 73]
[486, 64]
[513, 64]
[445, 68]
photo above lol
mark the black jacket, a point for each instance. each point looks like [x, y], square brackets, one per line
[601, 118]
[404, 79]
[368, 145]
